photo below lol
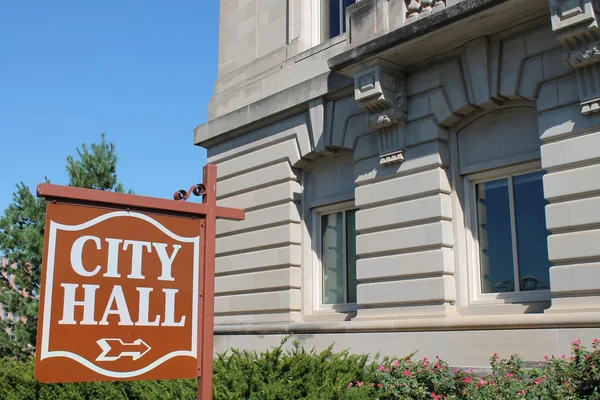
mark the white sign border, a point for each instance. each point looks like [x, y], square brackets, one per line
[48, 285]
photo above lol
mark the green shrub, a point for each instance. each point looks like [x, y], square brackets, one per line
[299, 374]
[568, 378]
[291, 374]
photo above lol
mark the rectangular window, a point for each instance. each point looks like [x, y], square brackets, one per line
[511, 234]
[338, 257]
[334, 17]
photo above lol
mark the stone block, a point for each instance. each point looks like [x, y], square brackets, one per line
[572, 182]
[565, 121]
[436, 234]
[367, 146]
[408, 265]
[532, 77]
[263, 197]
[571, 151]
[290, 128]
[414, 291]
[436, 207]
[279, 214]
[410, 186]
[270, 237]
[271, 174]
[540, 41]
[426, 155]
[582, 278]
[285, 300]
[573, 214]
[423, 131]
[280, 279]
[287, 150]
[256, 260]
[513, 55]
[574, 246]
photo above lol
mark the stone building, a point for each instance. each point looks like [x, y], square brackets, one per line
[417, 175]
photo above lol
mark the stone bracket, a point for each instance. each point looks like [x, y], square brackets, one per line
[576, 25]
[382, 93]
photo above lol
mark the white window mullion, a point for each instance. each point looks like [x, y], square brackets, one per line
[513, 229]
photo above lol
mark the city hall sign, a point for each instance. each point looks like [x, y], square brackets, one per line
[127, 285]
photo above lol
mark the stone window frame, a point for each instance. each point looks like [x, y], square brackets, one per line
[317, 283]
[318, 22]
[311, 267]
[472, 242]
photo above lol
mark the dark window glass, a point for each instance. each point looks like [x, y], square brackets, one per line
[351, 257]
[334, 18]
[532, 235]
[495, 238]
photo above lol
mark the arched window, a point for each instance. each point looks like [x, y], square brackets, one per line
[499, 160]
[330, 217]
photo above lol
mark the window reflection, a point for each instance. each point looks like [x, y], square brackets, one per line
[512, 227]
[496, 257]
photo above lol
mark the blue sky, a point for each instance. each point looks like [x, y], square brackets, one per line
[142, 71]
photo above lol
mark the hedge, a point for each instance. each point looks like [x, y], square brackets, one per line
[296, 373]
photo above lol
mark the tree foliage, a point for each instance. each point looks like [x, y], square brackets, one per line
[22, 240]
[96, 167]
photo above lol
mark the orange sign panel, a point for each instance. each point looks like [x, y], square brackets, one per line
[119, 297]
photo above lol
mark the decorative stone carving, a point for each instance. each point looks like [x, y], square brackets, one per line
[413, 7]
[382, 93]
[416, 9]
[576, 24]
[583, 56]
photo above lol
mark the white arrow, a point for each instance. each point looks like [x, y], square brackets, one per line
[136, 349]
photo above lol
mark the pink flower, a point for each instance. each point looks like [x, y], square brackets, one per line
[481, 383]
[349, 385]
[467, 380]
[379, 385]
[395, 364]
[522, 392]
[538, 381]
[406, 373]
[510, 375]
[546, 358]
[381, 367]
[495, 354]
[456, 371]
[359, 384]
[564, 356]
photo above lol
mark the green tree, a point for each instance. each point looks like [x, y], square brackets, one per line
[95, 169]
[22, 240]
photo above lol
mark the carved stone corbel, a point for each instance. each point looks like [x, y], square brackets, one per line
[576, 24]
[382, 93]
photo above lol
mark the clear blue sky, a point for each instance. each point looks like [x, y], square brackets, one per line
[142, 71]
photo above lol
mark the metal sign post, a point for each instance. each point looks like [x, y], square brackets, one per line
[127, 287]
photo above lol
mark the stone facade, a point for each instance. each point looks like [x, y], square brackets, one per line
[399, 125]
